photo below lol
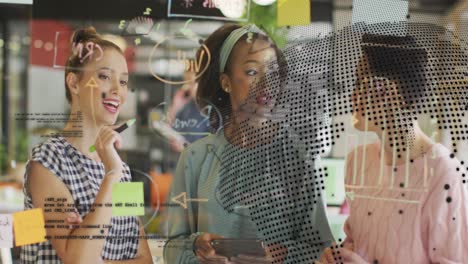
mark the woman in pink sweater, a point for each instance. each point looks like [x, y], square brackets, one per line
[408, 195]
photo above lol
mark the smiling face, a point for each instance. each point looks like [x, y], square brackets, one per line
[252, 79]
[101, 90]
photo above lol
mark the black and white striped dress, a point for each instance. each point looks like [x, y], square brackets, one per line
[83, 178]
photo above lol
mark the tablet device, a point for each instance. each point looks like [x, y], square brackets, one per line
[231, 247]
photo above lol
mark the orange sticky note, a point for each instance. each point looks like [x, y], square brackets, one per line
[293, 12]
[28, 227]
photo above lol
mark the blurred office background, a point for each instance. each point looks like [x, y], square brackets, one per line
[33, 33]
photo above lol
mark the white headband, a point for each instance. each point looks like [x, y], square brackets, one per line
[231, 40]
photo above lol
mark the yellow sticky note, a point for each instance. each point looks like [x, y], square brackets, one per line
[293, 12]
[29, 227]
[128, 199]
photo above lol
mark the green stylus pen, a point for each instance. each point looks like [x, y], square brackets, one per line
[120, 129]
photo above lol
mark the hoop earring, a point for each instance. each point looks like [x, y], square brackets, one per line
[227, 89]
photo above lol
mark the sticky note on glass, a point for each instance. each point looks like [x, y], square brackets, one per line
[371, 11]
[128, 199]
[331, 183]
[29, 227]
[334, 182]
[6, 231]
[293, 12]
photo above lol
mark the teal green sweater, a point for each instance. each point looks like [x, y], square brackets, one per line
[198, 175]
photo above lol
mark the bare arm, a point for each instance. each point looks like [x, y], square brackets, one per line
[43, 184]
[143, 255]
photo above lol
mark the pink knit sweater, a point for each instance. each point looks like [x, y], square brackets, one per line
[413, 213]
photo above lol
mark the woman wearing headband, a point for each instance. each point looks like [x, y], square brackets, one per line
[224, 172]
[63, 168]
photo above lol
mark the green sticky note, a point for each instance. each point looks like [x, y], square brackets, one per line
[334, 182]
[128, 199]
[331, 184]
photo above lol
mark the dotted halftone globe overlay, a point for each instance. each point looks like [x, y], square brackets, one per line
[275, 175]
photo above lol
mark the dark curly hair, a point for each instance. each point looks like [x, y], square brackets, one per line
[399, 59]
[209, 90]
